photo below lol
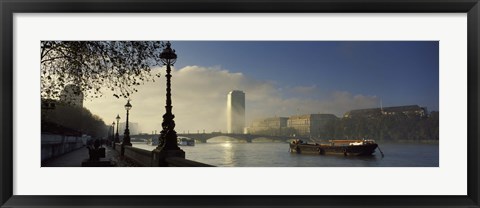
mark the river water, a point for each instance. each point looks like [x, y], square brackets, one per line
[275, 154]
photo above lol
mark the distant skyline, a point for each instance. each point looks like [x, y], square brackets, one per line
[283, 78]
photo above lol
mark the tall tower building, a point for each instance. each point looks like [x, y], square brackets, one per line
[235, 112]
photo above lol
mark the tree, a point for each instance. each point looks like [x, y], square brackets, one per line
[117, 66]
[75, 117]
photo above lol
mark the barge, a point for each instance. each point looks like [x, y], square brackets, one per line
[338, 147]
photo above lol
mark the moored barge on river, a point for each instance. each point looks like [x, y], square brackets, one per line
[339, 147]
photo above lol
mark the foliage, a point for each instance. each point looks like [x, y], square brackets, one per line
[76, 118]
[117, 66]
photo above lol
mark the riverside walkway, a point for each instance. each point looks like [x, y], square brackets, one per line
[75, 158]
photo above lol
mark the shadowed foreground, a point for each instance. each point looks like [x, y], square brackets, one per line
[75, 158]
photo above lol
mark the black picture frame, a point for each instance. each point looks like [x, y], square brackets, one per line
[9, 7]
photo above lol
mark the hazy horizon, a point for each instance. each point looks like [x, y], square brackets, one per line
[281, 78]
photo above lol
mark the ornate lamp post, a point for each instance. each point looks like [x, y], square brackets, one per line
[126, 134]
[168, 136]
[113, 134]
[167, 146]
[117, 138]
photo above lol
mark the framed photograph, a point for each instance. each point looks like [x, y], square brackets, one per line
[242, 104]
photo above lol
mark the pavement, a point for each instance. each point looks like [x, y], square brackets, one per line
[75, 158]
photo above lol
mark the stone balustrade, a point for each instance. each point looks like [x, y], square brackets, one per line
[181, 162]
[147, 158]
[139, 156]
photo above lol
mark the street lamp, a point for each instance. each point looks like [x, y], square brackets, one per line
[113, 133]
[117, 138]
[168, 136]
[126, 134]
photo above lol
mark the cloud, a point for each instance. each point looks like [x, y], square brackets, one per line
[199, 96]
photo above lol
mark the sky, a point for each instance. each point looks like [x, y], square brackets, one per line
[282, 78]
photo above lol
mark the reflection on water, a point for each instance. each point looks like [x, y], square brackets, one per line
[274, 154]
[228, 154]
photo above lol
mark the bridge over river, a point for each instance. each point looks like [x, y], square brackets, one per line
[203, 137]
